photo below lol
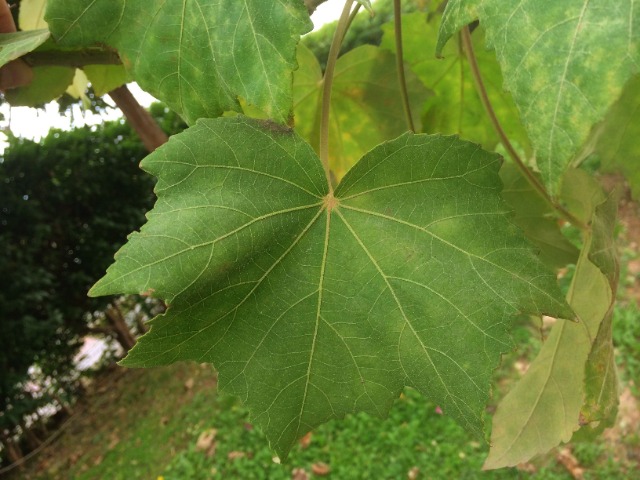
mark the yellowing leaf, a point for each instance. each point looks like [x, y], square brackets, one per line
[78, 86]
[545, 407]
[565, 62]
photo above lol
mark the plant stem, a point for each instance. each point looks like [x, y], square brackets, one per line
[526, 172]
[338, 36]
[397, 19]
[78, 58]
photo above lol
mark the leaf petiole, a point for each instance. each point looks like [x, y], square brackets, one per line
[343, 24]
[397, 22]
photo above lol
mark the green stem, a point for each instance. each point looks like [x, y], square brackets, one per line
[397, 19]
[526, 172]
[338, 37]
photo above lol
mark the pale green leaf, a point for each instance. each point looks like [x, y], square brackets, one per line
[48, 84]
[455, 106]
[105, 78]
[313, 306]
[31, 14]
[16, 44]
[366, 107]
[601, 380]
[78, 86]
[196, 56]
[564, 62]
[551, 401]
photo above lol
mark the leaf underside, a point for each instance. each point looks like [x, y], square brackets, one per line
[589, 49]
[14, 45]
[572, 382]
[196, 56]
[313, 306]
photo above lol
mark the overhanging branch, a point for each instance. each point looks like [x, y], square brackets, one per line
[75, 59]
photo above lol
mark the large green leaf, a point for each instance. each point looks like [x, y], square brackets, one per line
[570, 383]
[365, 103]
[565, 63]
[455, 106]
[313, 306]
[196, 56]
[16, 44]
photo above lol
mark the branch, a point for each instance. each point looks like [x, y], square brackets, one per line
[142, 122]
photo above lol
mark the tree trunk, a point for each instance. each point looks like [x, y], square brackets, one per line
[32, 439]
[14, 454]
[120, 327]
[142, 122]
[64, 405]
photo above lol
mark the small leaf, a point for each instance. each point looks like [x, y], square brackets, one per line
[547, 405]
[105, 78]
[78, 86]
[16, 44]
[313, 306]
[564, 62]
[196, 56]
[48, 84]
[455, 106]
[31, 14]
[365, 110]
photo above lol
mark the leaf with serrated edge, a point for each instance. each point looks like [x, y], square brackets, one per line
[365, 110]
[313, 306]
[546, 406]
[564, 62]
[16, 44]
[196, 56]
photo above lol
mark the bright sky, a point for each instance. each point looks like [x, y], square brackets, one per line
[34, 123]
